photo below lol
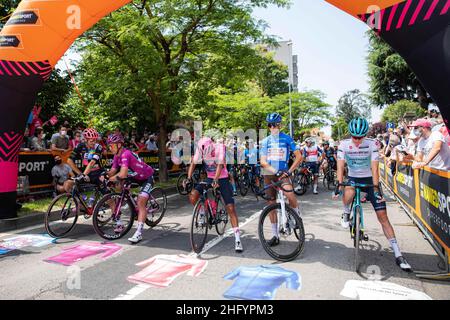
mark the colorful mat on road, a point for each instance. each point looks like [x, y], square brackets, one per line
[162, 270]
[73, 254]
[26, 240]
[260, 282]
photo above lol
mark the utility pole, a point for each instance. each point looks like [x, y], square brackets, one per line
[290, 69]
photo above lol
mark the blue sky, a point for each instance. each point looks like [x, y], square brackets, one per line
[331, 46]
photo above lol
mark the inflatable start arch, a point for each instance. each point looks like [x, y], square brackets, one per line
[40, 31]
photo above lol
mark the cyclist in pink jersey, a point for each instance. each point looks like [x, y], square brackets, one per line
[213, 155]
[128, 164]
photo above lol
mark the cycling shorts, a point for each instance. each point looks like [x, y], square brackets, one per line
[271, 193]
[146, 186]
[314, 167]
[377, 205]
[224, 187]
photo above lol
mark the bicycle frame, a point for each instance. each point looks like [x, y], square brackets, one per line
[357, 204]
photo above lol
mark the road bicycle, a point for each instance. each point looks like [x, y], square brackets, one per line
[62, 213]
[329, 178]
[286, 221]
[357, 231]
[116, 212]
[303, 178]
[209, 211]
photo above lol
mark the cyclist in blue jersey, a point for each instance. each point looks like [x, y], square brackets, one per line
[274, 155]
[362, 156]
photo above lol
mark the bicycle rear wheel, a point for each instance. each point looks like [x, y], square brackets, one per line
[106, 224]
[357, 236]
[199, 226]
[61, 216]
[291, 235]
[156, 207]
[221, 216]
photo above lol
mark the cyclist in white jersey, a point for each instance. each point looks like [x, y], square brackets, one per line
[362, 157]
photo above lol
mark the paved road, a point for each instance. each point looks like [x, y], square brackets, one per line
[325, 266]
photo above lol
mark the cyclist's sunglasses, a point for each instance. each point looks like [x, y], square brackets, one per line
[273, 125]
[358, 138]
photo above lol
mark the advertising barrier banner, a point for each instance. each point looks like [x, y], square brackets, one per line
[434, 191]
[405, 184]
[38, 166]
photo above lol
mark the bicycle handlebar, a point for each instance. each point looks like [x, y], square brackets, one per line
[357, 185]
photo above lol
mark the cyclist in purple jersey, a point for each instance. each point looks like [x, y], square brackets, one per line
[127, 164]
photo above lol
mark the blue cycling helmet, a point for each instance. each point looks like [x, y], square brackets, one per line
[358, 127]
[274, 118]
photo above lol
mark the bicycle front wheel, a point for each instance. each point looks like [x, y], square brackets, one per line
[291, 234]
[183, 190]
[243, 185]
[199, 226]
[300, 184]
[156, 207]
[113, 216]
[331, 181]
[61, 216]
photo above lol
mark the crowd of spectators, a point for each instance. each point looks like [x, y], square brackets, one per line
[424, 141]
[67, 138]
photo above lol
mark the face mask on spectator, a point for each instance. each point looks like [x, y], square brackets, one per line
[418, 132]
[63, 133]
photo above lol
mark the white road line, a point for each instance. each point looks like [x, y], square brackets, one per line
[137, 290]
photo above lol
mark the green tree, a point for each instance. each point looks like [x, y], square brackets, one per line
[391, 79]
[353, 104]
[339, 129]
[395, 112]
[272, 76]
[308, 110]
[54, 94]
[6, 8]
[147, 54]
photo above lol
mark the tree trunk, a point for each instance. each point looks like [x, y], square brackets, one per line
[162, 140]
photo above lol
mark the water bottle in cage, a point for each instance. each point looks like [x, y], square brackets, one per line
[91, 201]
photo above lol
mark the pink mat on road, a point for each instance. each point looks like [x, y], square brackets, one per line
[76, 253]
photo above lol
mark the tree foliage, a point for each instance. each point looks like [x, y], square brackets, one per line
[391, 79]
[353, 104]
[395, 112]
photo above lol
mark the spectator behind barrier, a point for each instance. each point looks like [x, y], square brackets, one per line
[38, 143]
[60, 141]
[151, 144]
[73, 143]
[61, 173]
[433, 151]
